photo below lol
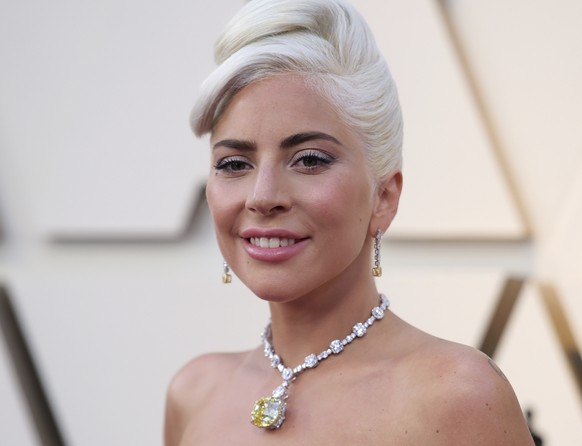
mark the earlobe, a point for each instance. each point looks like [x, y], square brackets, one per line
[387, 198]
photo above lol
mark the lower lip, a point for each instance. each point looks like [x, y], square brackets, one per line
[274, 254]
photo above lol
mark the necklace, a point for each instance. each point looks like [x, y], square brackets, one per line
[269, 412]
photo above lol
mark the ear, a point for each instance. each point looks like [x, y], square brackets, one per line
[387, 197]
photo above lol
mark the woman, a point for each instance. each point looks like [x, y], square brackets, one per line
[306, 140]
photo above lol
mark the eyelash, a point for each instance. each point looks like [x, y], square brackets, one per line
[321, 158]
[228, 164]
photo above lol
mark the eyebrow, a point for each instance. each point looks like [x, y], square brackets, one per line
[237, 144]
[287, 143]
[300, 138]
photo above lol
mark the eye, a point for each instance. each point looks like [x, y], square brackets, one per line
[312, 161]
[232, 165]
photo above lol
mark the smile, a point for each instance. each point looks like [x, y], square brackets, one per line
[271, 242]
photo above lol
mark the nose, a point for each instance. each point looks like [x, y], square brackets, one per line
[269, 193]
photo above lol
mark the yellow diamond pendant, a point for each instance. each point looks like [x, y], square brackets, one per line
[269, 412]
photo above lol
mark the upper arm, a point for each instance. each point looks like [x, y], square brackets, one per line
[479, 406]
[186, 392]
[175, 414]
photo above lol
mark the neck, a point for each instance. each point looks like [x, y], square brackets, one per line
[309, 324]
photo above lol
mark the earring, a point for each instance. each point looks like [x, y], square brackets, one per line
[226, 276]
[377, 269]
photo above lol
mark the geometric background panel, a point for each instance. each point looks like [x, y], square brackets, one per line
[562, 252]
[445, 142]
[95, 105]
[530, 354]
[14, 420]
[526, 57]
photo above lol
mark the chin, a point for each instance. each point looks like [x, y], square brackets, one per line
[269, 285]
[273, 291]
[269, 294]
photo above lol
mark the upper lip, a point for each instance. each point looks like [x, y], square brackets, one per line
[269, 233]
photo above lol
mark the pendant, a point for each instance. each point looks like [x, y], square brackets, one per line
[269, 412]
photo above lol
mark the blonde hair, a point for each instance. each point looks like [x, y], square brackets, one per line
[326, 42]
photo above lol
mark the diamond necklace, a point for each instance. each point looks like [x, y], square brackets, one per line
[269, 412]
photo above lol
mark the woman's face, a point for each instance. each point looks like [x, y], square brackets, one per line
[290, 192]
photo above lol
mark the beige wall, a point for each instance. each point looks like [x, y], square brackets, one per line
[113, 265]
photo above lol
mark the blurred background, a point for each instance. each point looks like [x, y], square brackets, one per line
[107, 252]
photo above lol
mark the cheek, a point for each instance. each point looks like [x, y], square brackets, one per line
[221, 205]
[342, 203]
[211, 199]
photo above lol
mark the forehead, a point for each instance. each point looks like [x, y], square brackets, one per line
[278, 107]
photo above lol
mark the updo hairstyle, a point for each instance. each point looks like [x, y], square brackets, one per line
[330, 46]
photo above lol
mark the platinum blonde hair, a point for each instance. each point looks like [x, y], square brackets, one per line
[327, 43]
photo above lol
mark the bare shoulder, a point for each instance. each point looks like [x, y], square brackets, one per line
[197, 378]
[468, 398]
[191, 386]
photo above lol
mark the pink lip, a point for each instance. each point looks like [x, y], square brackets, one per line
[272, 254]
[270, 232]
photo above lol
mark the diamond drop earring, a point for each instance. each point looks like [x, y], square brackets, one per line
[226, 276]
[377, 269]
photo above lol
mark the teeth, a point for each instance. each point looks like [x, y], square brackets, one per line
[271, 242]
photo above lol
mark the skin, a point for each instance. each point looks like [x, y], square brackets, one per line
[285, 165]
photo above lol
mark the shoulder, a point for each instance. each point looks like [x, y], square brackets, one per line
[191, 386]
[468, 398]
[205, 368]
[198, 376]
